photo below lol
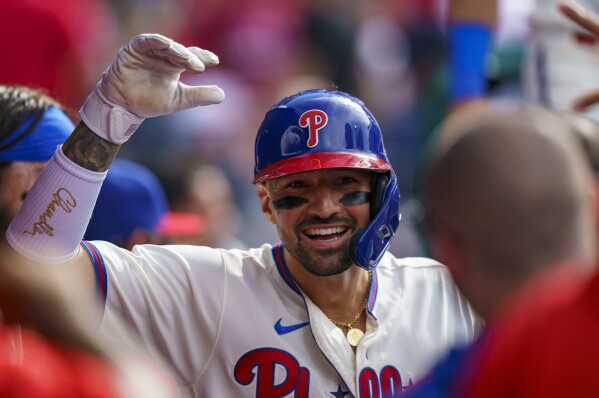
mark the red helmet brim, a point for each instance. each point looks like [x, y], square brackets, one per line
[322, 160]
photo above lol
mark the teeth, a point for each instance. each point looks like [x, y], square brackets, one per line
[325, 231]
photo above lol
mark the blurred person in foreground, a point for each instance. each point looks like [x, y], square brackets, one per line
[132, 209]
[511, 198]
[544, 344]
[326, 311]
[48, 350]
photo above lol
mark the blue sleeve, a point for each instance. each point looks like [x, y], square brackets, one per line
[469, 45]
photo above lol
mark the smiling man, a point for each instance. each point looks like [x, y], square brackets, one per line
[326, 312]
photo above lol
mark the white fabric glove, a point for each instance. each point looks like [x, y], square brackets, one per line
[143, 81]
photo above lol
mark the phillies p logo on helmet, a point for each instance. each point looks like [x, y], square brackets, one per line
[314, 120]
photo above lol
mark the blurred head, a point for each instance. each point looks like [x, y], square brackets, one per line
[132, 209]
[320, 159]
[510, 197]
[208, 193]
[32, 125]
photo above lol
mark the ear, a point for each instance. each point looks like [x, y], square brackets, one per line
[265, 202]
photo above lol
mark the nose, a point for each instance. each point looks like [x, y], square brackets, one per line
[324, 203]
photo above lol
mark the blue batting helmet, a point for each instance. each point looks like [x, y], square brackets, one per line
[323, 129]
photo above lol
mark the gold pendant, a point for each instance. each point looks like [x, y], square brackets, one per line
[354, 336]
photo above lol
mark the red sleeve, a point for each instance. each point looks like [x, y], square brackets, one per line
[540, 345]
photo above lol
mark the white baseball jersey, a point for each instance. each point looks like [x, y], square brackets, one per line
[563, 59]
[233, 323]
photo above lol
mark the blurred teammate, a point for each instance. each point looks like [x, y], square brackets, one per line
[499, 221]
[32, 125]
[324, 312]
[544, 343]
[215, 206]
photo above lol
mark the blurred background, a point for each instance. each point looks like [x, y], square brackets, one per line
[390, 53]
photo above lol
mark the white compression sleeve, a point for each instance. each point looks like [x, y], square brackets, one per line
[50, 225]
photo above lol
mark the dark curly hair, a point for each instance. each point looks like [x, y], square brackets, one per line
[17, 105]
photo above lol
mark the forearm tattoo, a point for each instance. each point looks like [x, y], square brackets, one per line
[88, 150]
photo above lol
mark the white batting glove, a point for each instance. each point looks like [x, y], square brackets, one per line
[143, 81]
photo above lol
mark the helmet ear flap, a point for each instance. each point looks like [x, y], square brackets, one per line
[380, 182]
[367, 245]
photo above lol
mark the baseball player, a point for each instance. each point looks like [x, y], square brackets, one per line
[326, 312]
[31, 126]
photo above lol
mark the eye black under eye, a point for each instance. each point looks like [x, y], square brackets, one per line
[355, 198]
[289, 202]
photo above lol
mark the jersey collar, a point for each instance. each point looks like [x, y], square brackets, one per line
[277, 252]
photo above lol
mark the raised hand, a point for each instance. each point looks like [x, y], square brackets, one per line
[583, 17]
[143, 81]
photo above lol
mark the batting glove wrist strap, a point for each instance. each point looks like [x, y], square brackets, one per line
[50, 225]
[110, 122]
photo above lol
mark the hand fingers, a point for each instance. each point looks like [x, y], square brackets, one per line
[583, 102]
[192, 96]
[207, 57]
[149, 41]
[583, 17]
[164, 48]
[181, 57]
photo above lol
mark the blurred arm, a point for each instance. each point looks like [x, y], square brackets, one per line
[470, 31]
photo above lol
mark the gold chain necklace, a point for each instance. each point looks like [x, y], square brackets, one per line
[354, 336]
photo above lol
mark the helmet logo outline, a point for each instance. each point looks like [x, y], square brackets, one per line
[314, 120]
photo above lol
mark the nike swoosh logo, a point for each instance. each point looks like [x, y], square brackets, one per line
[281, 330]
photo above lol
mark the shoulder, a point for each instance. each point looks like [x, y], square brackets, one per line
[413, 266]
[184, 256]
[390, 261]
[256, 258]
[419, 276]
